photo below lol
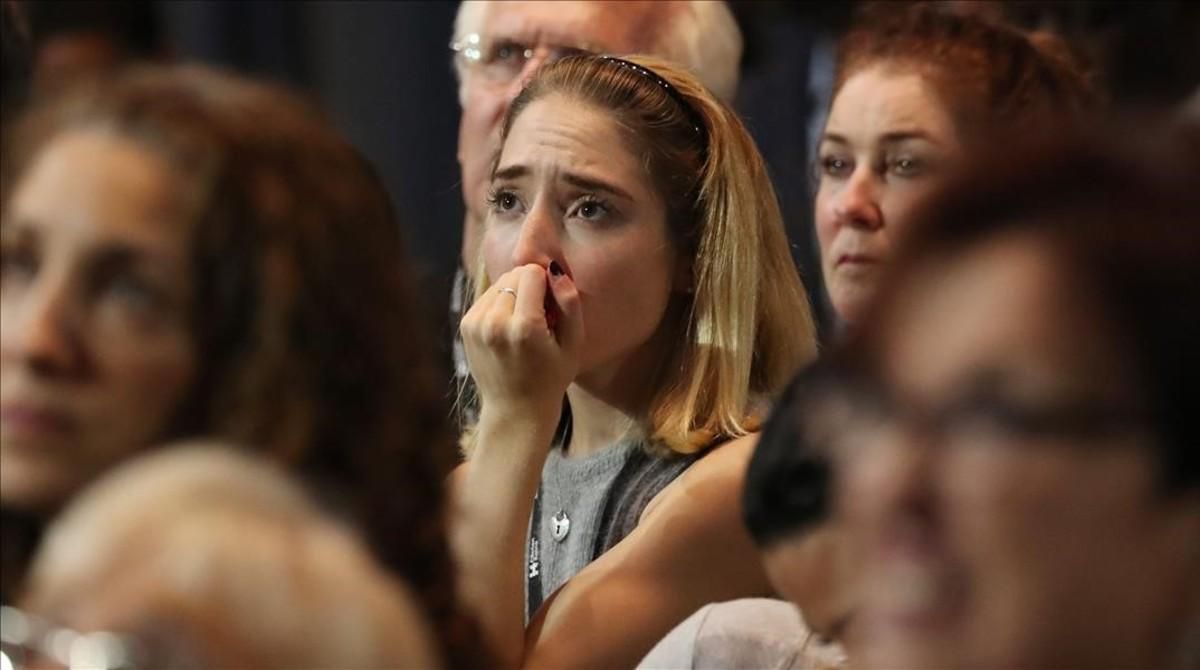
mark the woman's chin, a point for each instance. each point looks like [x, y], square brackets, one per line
[32, 486]
[851, 300]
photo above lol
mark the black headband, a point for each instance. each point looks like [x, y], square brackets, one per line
[696, 121]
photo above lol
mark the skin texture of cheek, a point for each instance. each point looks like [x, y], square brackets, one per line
[157, 377]
[497, 249]
[624, 292]
[478, 139]
[1068, 538]
[823, 220]
[852, 287]
[825, 232]
[477, 143]
[804, 569]
[128, 404]
[144, 393]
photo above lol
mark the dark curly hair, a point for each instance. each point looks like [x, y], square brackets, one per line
[789, 480]
[312, 347]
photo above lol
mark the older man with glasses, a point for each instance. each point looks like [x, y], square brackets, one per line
[498, 45]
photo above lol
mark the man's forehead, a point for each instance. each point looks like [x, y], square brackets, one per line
[618, 27]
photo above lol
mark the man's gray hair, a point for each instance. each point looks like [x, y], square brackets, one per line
[701, 35]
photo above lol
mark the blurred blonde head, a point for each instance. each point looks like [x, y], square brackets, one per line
[212, 559]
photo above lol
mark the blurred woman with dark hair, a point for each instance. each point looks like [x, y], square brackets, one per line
[190, 254]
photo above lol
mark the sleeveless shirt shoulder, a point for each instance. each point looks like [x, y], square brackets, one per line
[642, 478]
[603, 496]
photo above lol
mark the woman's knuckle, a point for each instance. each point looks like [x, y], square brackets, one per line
[492, 332]
[524, 328]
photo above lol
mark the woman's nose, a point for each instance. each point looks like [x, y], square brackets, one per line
[857, 203]
[40, 327]
[893, 477]
[539, 240]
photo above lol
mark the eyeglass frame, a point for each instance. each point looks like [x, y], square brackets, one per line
[870, 405]
[470, 49]
[32, 637]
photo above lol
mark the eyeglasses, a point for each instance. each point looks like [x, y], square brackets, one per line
[26, 639]
[846, 415]
[501, 61]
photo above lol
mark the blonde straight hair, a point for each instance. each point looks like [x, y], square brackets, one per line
[748, 327]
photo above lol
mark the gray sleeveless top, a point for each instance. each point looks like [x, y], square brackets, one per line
[602, 497]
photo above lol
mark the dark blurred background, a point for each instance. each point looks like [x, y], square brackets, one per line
[382, 72]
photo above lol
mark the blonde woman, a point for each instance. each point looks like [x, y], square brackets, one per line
[637, 308]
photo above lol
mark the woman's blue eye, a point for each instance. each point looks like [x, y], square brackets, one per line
[834, 166]
[137, 292]
[906, 166]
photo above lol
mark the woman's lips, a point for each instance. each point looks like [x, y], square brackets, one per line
[917, 593]
[857, 260]
[915, 579]
[19, 420]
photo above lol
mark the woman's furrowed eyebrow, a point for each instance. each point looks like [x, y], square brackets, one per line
[511, 172]
[893, 137]
[899, 136]
[594, 184]
[585, 182]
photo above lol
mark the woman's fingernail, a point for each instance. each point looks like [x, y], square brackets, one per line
[555, 268]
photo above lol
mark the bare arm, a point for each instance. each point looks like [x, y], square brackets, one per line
[521, 368]
[689, 549]
[494, 496]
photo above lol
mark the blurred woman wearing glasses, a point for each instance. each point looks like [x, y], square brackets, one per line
[1017, 419]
